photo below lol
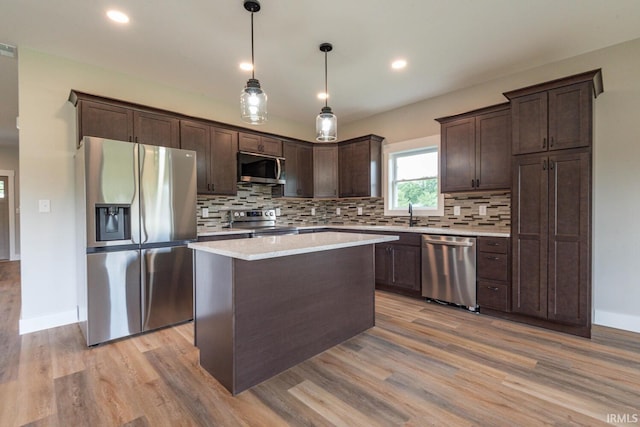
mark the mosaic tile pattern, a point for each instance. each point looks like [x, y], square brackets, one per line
[298, 211]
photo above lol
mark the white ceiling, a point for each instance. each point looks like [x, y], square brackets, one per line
[197, 45]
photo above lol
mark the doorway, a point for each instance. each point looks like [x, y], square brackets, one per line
[8, 248]
[5, 245]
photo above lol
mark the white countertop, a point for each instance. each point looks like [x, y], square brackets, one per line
[462, 231]
[470, 231]
[279, 246]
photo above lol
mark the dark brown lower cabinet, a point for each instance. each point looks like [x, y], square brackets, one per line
[494, 278]
[398, 265]
[551, 232]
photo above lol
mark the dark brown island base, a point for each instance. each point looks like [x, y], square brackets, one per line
[265, 305]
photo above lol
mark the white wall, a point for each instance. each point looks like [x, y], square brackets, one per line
[47, 141]
[616, 281]
[9, 161]
[47, 146]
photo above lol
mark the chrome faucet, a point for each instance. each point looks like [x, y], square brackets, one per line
[411, 223]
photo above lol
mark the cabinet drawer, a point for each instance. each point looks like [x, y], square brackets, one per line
[493, 295]
[493, 244]
[411, 239]
[493, 266]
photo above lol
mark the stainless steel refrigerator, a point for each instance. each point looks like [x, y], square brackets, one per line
[136, 213]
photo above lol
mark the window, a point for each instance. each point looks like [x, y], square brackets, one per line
[412, 176]
[2, 190]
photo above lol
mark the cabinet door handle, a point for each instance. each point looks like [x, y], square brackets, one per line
[477, 183]
[492, 243]
[551, 164]
[393, 265]
[473, 183]
[551, 143]
[544, 142]
[493, 288]
[492, 258]
[544, 165]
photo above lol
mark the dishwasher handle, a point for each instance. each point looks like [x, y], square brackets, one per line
[461, 242]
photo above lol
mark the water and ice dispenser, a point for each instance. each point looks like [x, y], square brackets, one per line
[113, 222]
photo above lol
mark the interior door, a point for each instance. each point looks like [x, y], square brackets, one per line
[4, 217]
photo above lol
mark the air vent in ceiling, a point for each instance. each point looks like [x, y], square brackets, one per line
[8, 50]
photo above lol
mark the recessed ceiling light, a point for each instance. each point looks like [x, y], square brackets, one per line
[117, 16]
[246, 66]
[323, 95]
[398, 64]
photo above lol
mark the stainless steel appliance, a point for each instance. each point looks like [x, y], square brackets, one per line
[449, 269]
[261, 222]
[135, 214]
[260, 168]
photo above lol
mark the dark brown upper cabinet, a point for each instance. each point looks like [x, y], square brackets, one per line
[556, 115]
[475, 152]
[360, 167]
[254, 143]
[216, 152]
[299, 169]
[325, 170]
[156, 129]
[104, 118]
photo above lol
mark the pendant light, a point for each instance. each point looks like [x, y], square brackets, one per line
[253, 100]
[326, 122]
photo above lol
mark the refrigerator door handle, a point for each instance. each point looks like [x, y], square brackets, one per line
[140, 164]
[146, 295]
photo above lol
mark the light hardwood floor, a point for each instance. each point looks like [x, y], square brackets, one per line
[423, 364]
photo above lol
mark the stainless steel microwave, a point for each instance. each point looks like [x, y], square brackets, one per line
[260, 168]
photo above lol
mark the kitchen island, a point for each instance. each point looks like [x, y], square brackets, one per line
[264, 305]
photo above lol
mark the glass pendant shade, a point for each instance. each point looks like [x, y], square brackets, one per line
[253, 103]
[326, 126]
[253, 100]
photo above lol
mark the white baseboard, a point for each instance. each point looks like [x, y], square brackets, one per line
[626, 322]
[35, 324]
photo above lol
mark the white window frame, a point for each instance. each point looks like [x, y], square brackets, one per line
[407, 146]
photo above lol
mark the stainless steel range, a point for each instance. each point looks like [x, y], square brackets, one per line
[262, 222]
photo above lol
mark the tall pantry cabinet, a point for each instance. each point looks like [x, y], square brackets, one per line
[552, 126]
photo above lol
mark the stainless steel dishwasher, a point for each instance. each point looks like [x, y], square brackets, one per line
[449, 269]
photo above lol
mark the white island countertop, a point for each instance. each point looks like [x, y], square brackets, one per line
[279, 246]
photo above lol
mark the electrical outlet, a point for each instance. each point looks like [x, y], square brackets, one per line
[337, 211]
[205, 212]
[313, 211]
[456, 210]
[359, 210]
[278, 212]
[482, 210]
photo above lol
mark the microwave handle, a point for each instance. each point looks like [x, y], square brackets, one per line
[278, 169]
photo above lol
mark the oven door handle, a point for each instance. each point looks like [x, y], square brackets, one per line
[278, 169]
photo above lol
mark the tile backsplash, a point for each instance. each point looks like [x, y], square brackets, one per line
[298, 211]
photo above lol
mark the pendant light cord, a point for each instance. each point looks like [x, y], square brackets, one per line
[253, 75]
[326, 90]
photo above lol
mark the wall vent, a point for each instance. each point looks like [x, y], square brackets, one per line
[8, 50]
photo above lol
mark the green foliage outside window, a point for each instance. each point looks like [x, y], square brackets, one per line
[420, 193]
